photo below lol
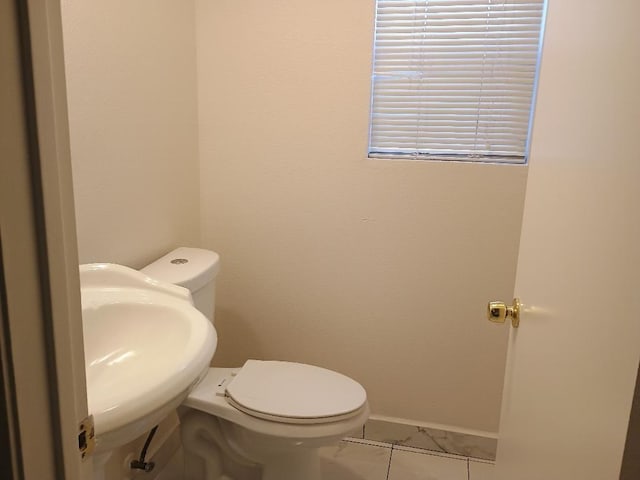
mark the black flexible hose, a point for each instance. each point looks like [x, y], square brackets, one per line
[141, 464]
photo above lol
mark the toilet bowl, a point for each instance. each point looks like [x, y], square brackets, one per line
[269, 417]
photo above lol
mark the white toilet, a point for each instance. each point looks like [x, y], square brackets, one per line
[267, 413]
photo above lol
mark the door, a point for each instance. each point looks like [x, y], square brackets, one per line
[573, 361]
[42, 385]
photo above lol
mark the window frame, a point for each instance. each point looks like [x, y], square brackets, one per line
[459, 157]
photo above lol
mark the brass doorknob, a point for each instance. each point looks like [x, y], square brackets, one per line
[499, 311]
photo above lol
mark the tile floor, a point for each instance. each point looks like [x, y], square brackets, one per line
[356, 459]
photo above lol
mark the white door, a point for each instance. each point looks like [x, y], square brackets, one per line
[42, 378]
[573, 361]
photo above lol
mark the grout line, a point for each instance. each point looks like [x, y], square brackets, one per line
[429, 451]
[370, 443]
[389, 466]
[432, 453]
[482, 460]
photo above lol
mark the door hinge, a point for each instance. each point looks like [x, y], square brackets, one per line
[86, 437]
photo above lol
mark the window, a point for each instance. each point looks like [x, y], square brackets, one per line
[454, 79]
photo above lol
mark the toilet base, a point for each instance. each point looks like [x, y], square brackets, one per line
[216, 449]
[207, 454]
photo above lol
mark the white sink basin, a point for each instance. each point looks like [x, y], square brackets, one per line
[146, 346]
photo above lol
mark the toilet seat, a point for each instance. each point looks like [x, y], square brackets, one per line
[295, 393]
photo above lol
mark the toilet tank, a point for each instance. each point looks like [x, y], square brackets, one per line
[192, 268]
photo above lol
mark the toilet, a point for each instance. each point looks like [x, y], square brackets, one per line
[269, 417]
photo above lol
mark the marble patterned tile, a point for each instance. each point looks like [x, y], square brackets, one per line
[431, 439]
[408, 465]
[481, 470]
[358, 433]
[398, 434]
[355, 460]
[422, 451]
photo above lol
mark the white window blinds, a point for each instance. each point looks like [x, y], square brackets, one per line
[454, 78]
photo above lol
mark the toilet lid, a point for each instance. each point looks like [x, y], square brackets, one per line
[294, 393]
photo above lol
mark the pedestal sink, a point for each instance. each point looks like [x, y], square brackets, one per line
[146, 346]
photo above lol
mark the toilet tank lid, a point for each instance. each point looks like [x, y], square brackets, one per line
[188, 267]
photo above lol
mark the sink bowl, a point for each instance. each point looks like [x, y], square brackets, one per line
[146, 346]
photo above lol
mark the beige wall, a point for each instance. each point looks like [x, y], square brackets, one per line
[131, 79]
[379, 269]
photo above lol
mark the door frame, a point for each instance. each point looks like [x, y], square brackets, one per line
[41, 329]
